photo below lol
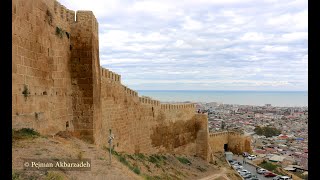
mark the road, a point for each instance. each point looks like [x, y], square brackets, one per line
[251, 168]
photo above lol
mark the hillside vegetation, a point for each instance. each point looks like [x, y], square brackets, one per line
[30, 144]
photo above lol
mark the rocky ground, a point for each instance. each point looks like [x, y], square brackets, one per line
[124, 166]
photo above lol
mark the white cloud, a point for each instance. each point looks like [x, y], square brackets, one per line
[119, 61]
[100, 8]
[191, 24]
[276, 48]
[292, 21]
[229, 44]
[295, 36]
[253, 36]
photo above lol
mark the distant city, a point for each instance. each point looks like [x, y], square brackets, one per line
[288, 147]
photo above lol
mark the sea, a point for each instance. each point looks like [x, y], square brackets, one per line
[255, 98]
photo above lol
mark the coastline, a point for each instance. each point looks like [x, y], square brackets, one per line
[250, 98]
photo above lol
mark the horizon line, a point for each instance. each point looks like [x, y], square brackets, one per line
[220, 90]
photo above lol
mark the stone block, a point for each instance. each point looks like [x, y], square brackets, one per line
[21, 69]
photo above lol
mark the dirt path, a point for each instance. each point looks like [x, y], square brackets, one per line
[221, 175]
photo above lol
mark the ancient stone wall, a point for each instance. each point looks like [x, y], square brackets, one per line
[144, 125]
[217, 141]
[237, 142]
[41, 79]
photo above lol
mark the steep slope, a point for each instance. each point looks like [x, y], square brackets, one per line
[124, 166]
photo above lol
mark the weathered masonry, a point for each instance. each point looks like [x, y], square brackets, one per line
[229, 141]
[59, 85]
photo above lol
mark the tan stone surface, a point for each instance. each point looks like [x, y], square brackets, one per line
[237, 143]
[56, 59]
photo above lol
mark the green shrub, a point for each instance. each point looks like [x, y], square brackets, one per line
[164, 157]
[183, 160]
[24, 133]
[123, 160]
[15, 176]
[147, 177]
[269, 166]
[131, 157]
[112, 151]
[136, 170]
[140, 156]
[158, 165]
[59, 32]
[156, 159]
[278, 172]
[153, 159]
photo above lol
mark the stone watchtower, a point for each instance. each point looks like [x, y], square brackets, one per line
[85, 76]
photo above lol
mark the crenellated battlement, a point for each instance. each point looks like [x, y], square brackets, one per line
[130, 91]
[233, 133]
[149, 101]
[177, 106]
[110, 75]
[62, 14]
[114, 77]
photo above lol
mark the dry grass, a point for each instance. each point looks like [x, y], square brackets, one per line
[124, 166]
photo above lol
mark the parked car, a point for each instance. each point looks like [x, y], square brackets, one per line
[276, 178]
[245, 171]
[234, 162]
[241, 170]
[247, 175]
[253, 177]
[240, 167]
[269, 174]
[237, 167]
[261, 171]
[251, 157]
[242, 173]
[285, 178]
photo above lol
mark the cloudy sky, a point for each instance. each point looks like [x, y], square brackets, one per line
[203, 44]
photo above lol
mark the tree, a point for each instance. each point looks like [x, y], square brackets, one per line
[258, 130]
[267, 131]
[223, 125]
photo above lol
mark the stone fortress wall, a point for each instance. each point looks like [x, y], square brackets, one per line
[58, 85]
[236, 142]
[41, 78]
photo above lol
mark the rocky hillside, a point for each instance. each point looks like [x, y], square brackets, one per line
[29, 144]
